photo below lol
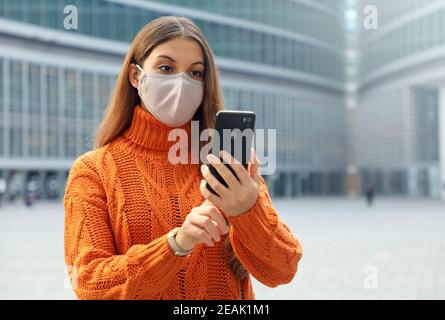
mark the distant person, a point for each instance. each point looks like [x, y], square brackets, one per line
[133, 217]
[370, 194]
[3, 187]
[30, 194]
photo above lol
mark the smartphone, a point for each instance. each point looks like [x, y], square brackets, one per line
[235, 130]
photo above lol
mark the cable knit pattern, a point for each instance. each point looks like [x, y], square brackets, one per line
[122, 199]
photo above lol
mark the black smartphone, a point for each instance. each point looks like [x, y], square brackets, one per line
[235, 130]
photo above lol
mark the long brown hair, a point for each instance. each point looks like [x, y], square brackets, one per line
[119, 112]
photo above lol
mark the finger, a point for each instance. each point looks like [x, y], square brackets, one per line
[254, 166]
[212, 181]
[200, 234]
[209, 225]
[207, 203]
[211, 197]
[240, 171]
[251, 162]
[228, 158]
[223, 171]
[215, 214]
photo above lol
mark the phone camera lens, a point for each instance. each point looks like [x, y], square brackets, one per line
[249, 120]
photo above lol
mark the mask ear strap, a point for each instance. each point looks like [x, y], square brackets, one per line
[139, 67]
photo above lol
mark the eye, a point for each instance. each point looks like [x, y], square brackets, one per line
[197, 74]
[166, 68]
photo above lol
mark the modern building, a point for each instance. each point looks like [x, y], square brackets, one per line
[282, 59]
[400, 116]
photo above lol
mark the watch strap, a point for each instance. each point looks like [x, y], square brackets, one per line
[174, 245]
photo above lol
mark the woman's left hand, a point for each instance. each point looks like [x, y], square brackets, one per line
[242, 193]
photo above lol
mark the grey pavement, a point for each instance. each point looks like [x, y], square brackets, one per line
[394, 250]
[398, 245]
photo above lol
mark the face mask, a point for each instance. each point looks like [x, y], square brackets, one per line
[171, 98]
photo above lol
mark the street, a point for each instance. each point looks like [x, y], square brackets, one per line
[394, 250]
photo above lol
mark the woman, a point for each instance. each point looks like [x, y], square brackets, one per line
[138, 226]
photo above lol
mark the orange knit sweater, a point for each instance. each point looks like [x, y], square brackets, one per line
[122, 199]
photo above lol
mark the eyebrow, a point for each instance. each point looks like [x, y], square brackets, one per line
[170, 58]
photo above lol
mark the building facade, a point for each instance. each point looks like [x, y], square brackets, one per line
[401, 98]
[282, 59]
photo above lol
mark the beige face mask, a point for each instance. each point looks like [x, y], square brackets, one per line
[171, 98]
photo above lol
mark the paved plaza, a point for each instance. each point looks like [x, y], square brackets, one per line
[394, 250]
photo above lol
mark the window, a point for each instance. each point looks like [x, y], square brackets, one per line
[16, 87]
[118, 22]
[71, 95]
[14, 9]
[1, 90]
[2, 109]
[87, 96]
[257, 47]
[52, 93]
[16, 142]
[269, 49]
[53, 15]
[34, 89]
[34, 12]
[86, 16]
[33, 138]
[102, 16]
[70, 141]
[137, 20]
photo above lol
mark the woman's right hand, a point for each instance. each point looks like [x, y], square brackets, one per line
[204, 224]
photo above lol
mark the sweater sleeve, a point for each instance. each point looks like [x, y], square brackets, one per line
[95, 270]
[264, 244]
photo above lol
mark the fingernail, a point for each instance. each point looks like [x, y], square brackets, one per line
[203, 168]
[211, 158]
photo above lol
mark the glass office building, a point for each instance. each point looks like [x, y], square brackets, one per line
[282, 59]
[401, 98]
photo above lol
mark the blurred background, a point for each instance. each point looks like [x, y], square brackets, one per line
[355, 89]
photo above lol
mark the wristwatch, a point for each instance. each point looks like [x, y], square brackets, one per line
[174, 245]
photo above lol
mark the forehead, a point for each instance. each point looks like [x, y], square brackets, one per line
[180, 49]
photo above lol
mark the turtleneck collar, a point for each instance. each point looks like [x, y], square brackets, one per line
[147, 131]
